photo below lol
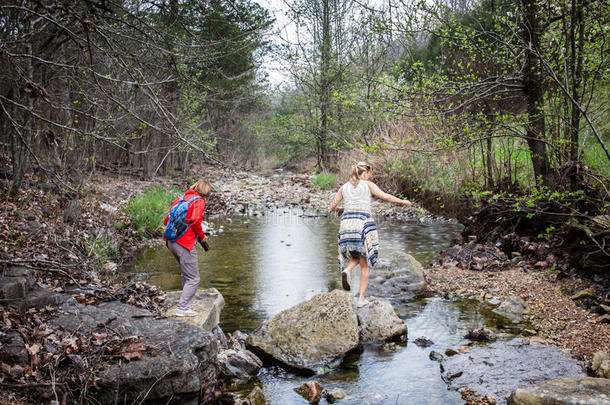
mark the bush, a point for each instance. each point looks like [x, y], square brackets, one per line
[147, 211]
[325, 180]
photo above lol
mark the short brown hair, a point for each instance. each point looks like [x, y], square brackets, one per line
[202, 187]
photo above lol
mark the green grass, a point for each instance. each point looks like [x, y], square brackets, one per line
[325, 180]
[595, 156]
[148, 210]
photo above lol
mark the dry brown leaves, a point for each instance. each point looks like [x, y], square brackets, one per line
[60, 357]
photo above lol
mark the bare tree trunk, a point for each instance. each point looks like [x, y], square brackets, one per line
[22, 139]
[324, 85]
[576, 61]
[534, 91]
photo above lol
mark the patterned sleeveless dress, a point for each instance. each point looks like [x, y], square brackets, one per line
[357, 233]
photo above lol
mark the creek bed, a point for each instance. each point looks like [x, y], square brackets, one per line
[265, 264]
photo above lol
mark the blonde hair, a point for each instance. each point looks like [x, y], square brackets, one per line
[202, 187]
[358, 170]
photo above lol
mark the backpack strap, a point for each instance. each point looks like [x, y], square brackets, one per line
[188, 202]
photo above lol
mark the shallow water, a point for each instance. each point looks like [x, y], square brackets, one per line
[263, 265]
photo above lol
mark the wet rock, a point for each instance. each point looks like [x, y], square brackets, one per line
[435, 356]
[208, 304]
[601, 364]
[310, 335]
[480, 335]
[256, 397]
[390, 347]
[238, 366]
[378, 322]
[401, 277]
[184, 355]
[501, 367]
[423, 342]
[568, 391]
[311, 391]
[450, 352]
[335, 395]
[513, 309]
[12, 349]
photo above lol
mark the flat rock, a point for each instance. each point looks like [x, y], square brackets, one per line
[311, 335]
[377, 322]
[513, 309]
[402, 277]
[208, 304]
[498, 369]
[564, 391]
[184, 356]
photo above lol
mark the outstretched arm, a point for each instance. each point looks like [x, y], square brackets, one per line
[336, 200]
[377, 192]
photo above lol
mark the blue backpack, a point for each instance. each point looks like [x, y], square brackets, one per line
[176, 224]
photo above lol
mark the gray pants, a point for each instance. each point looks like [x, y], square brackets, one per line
[189, 267]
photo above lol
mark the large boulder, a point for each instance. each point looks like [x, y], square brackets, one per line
[183, 356]
[498, 369]
[564, 391]
[207, 303]
[310, 335]
[402, 277]
[378, 322]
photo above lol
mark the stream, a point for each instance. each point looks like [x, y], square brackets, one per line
[265, 264]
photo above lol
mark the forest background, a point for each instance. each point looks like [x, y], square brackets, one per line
[494, 111]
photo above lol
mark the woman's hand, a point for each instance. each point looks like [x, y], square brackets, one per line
[407, 203]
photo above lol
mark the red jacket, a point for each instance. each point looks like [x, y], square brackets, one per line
[194, 216]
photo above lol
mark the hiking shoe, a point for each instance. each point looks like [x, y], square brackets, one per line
[185, 312]
[345, 280]
[362, 303]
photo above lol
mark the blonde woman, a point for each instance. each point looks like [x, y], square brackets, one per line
[358, 239]
[184, 218]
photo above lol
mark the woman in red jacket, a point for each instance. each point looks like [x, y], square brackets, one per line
[183, 248]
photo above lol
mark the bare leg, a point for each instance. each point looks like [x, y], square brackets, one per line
[364, 277]
[351, 264]
[346, 274]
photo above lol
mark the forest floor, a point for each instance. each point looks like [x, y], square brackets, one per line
[58, 238]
